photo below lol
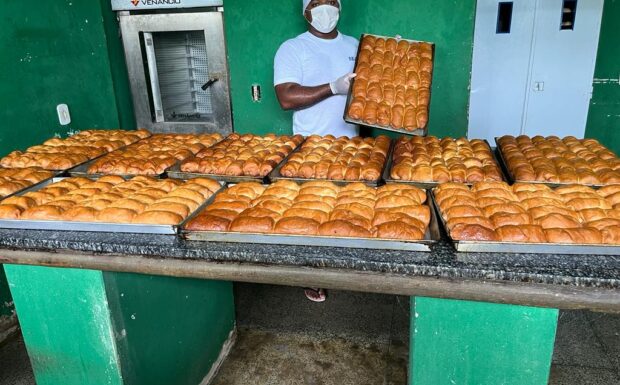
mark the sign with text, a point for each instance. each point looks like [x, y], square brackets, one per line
[132, 5]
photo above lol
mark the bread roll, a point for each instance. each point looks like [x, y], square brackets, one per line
[340, 228]
[611, 235]
[209, 223]
[158, 218]
[521, 234]
[10, 211]
[481, 221]
[465, 232]
[399, 230]
[252, 225]
[508, 219]
[297, 226]
[555, 220]
[586, 235]
[116, 215]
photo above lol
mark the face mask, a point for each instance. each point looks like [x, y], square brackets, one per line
[325, 18]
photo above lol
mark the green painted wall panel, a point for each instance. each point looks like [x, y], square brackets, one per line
[604, 115]
[169, 330]
[254, 33]
[462, 342]
[66, 325]
[118, 68]
[53, 51]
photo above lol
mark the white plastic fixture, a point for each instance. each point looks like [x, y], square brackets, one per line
[63, 114]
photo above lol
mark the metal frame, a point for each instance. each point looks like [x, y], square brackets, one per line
[213, 26]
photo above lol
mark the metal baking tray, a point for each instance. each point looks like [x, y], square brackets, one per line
[522, 247]
[432, 236]
[175, 172]
[512, 180]
[99, 227]
[82, 171]
[421, 131]
[387, 173]
[276, 176]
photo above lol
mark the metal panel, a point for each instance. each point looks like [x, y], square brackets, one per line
[133, 5]
[560, 84]
[500, 70]
[212, 25]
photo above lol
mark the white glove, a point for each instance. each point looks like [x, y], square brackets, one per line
[341, 85]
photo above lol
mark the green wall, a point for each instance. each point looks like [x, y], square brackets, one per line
[56, 51]
[604, 115]
[254, 33]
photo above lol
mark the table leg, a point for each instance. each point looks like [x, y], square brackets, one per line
[467, 343]
[93, 327]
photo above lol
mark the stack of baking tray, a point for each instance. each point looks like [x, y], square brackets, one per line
[100, 227]
[432, 236]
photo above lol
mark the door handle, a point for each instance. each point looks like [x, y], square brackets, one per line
[539, 86]
[209, 83]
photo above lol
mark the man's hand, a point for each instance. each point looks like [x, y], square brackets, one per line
[341, 85]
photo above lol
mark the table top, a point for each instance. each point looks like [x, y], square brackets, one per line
[565, 281]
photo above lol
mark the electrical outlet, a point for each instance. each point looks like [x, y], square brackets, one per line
[63, 114]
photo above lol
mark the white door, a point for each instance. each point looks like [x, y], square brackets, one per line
[562, 69]
[500, 68]
[529, 76]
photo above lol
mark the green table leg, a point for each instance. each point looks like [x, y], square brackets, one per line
[91, 327]
[474, 343]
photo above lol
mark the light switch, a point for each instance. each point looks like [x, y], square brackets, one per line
[63, 114]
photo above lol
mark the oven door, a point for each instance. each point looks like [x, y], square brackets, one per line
[178, 71]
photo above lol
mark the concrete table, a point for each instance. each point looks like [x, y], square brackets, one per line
[101, 304]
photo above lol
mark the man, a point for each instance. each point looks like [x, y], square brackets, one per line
[313, 72]
[312, 75]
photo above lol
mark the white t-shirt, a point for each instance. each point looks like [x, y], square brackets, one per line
[310, 61]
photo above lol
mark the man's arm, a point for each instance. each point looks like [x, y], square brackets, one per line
[293, 96]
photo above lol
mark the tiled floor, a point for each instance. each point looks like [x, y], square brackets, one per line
[357, 339]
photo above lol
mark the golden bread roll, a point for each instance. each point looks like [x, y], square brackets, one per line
[43, 212]
[158, 218]
[297, 226]
[340, 228]
[252, 225]
[521, 234]
[116, 215]
[556, 220]
[466, 232]
[481, 221]
[10, 211]
[611, 235]
[399, 230]
[585, 235]
[209, 223]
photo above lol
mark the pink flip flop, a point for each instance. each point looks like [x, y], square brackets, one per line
[315, 295]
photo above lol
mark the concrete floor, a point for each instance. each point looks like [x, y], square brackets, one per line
[357, 339]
